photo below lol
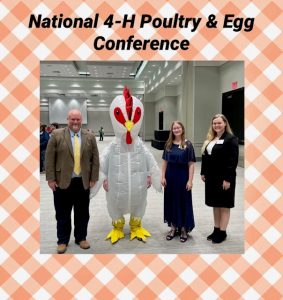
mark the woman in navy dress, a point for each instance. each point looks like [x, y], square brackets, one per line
[177, 180]
[220, 153]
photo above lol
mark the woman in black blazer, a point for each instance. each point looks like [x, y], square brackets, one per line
[220, 153]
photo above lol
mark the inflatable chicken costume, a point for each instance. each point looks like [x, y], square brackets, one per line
[128, 169]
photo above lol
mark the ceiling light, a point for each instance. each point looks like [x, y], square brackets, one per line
[84, 73]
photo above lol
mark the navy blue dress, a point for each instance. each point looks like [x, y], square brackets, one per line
[178, 207]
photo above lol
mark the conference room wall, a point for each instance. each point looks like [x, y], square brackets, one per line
[98, 118]
[95, 119]
[168, 106]
[149, 121]
[232, 71]
[207, 102]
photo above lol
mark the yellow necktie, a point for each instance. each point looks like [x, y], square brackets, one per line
[77, 154]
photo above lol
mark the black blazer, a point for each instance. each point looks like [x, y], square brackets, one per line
[223, 159]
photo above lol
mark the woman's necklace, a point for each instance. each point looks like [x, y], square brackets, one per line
[179, 144]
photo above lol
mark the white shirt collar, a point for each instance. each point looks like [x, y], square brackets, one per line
[73, 133]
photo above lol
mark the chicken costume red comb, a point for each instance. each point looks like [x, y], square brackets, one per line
[129, 109]
[129, 102]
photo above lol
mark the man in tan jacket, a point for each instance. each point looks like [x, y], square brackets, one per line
[72, 167]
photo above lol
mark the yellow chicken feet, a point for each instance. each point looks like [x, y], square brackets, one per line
[117, 232]
[137, 231]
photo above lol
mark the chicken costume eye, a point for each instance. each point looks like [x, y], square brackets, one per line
[137, 115]
[119, 115]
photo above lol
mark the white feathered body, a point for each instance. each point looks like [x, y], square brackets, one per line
[127, 173]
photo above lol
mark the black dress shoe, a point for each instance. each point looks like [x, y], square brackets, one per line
[219, 237]
[215, 231]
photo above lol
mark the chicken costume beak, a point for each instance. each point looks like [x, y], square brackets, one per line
[129, 125]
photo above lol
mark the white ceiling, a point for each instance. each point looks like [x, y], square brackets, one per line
[93, 69]
[101, 81]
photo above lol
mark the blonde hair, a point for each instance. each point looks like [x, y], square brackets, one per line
[211, 134]
[168, 144]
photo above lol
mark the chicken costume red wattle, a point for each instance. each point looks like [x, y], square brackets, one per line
[127, 168]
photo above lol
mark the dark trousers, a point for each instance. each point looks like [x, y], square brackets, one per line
[42, 160]
[64, 200]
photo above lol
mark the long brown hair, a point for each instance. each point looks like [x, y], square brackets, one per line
[168, 144]
[211, 134]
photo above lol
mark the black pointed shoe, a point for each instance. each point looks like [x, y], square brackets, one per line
[215, 231]
[219, 237]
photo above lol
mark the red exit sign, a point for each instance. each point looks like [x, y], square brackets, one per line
[234, 85]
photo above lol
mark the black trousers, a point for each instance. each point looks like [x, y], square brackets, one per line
[42, 160]
[64, 200]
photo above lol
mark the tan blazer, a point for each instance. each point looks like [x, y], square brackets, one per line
[59, 158]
